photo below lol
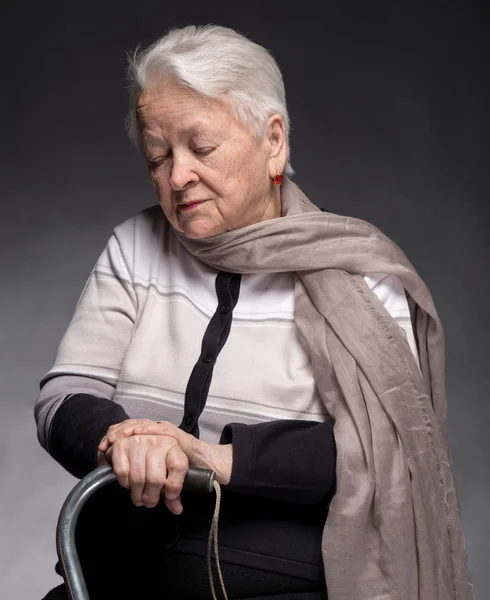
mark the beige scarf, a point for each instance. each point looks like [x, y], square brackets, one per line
[393, 530]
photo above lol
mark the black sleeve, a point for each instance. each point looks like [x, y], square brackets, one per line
[288, 460]
[79, 424]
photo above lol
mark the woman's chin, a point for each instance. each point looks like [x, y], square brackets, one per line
[199, 228]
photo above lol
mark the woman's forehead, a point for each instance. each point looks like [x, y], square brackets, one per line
[156, 135]
[181, 115]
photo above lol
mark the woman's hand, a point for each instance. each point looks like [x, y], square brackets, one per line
[217, 457]
[125, 429]
[148, 465]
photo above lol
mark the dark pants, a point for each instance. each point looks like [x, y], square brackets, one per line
[240, 582]
[123, 554]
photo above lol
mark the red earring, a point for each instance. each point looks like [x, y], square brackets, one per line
[277, 180]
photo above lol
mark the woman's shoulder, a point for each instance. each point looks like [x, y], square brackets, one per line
[140, 240]
[147, 222]
[144, 231]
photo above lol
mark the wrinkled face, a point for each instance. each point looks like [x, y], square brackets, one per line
[209, 172]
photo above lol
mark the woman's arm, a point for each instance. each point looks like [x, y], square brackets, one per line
[79, 424]
[90, 356]
[288, 460]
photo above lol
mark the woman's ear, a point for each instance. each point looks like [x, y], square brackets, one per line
[276, 135]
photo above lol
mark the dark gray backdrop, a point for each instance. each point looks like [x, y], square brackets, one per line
[388, 102]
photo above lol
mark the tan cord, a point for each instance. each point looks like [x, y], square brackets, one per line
[213, 536]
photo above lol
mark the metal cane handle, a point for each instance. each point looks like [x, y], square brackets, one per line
[197, 480]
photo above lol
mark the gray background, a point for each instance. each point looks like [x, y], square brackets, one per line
[388, 102]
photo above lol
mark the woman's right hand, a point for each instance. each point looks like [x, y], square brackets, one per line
[150, 465]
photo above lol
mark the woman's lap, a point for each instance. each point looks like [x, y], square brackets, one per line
[59, 593]
[122, 553]
[185, 576]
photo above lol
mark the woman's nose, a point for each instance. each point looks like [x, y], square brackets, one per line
[182, 173]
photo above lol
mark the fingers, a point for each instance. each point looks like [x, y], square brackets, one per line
[148, 465]
[177, 468]
[119, 461]
[157, 428]
[120, 430]
[153, 478]
[185, 440]
[129, 427]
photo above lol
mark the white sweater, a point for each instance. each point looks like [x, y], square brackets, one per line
[137, 329]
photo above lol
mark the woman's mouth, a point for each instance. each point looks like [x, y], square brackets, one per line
[190, 205]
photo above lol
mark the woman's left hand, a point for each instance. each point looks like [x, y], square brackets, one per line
[217, 457]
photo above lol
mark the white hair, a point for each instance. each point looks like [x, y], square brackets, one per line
[215, 62]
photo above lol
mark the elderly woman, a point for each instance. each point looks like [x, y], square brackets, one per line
[235, 326]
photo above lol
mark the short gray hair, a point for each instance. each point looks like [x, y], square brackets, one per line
[216, 62]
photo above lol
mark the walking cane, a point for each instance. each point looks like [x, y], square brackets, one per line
[197, 480]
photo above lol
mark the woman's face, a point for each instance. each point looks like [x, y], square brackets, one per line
[209, 172]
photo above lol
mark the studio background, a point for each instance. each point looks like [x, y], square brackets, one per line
[389, 109]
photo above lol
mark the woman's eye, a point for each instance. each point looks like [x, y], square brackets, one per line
[153, 163]
[204, 151]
